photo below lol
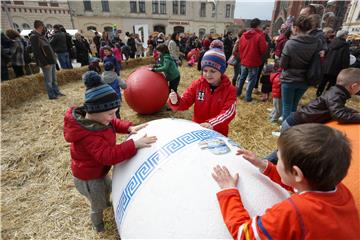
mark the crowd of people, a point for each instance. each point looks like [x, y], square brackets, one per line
[311, 159]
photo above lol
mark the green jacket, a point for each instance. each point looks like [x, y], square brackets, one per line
[168, 66]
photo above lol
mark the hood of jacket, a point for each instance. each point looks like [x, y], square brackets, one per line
[76, 127]
[252, 32]
[109, 76]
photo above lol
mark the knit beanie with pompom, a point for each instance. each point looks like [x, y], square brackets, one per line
[99, 96]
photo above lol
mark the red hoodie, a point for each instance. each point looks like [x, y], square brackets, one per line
[215, 107]
[252, 47]
[93, 147]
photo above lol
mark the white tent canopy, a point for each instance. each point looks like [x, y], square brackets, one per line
[26, 32]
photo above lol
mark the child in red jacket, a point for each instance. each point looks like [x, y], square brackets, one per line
[276, 93]
[91, 130]
[213, 95]
[313, 159]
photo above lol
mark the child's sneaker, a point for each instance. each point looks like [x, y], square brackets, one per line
[99, 228]
[280, 119]
[275, 134]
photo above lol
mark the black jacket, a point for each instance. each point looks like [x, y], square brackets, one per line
[329, 106]
[58, 42]
[43, 53]
[337, 57]
[296, 57]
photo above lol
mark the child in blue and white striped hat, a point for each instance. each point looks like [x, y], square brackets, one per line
[212, 94]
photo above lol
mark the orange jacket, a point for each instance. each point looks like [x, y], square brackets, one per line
[309, 215]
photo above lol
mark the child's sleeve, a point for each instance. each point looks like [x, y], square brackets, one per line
[340, 112]
[121, 126]
[186, 100]
[163, 67]
[278, 222]
[271, 172]
[122, 84]
[227, 112]
[107, 154]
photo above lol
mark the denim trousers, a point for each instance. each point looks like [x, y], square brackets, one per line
[237, 72]
[276, 112]
[64, 60]
[50, 80]
[245, 71]
[291, 94]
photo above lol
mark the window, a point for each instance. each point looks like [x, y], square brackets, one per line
[105, 5]
[19, 2]
[228, 9]
[212, 31]
[26, 26]
[133, 7]
[182, 7]
[155, 6]
[232, 10]
[87, 5]
[162, 7]
[175, 7]
[16, 26]
[91, 28]
[203, 10]
[179, 29]
[7, 2]
[54, 3]
[142, 6]
[213, 10]
[42, 3]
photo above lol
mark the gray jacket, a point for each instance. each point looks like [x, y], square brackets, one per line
[296, 57]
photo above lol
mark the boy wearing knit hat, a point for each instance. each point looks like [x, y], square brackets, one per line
[212, 94]
[91, 131]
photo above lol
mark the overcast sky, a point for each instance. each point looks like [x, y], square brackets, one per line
[247, 9]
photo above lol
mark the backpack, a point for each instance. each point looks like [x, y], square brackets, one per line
[314, 72]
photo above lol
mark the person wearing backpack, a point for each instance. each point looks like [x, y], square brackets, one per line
[295, 60]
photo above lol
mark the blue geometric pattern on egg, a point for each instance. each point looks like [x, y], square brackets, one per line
[151, 163]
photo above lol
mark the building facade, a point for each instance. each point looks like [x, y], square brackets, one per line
[332, 12]
[199, 17]
[21, 15]
[352, 20]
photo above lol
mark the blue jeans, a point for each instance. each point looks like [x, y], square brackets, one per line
[50, 81]
[291, 94]
[64, 60]
[237, 72]
[245, 71]
[273, 156]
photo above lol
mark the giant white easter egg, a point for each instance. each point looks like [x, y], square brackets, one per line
[167, 191]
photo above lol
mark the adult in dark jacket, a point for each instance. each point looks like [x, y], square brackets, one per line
[337, 58]
[58, 44]
[96, 40]
[228, 45]
[252, 47]
[82, 52]
[45, 59]
[295, 60]
[266, 55]
[131, 44]
[6, 45]
[69, 44]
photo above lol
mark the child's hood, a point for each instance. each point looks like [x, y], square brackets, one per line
[109, 76]
[76, 127]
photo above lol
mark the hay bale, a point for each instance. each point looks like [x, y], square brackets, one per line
[19, 90]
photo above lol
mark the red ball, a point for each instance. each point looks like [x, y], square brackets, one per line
[147, 91]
